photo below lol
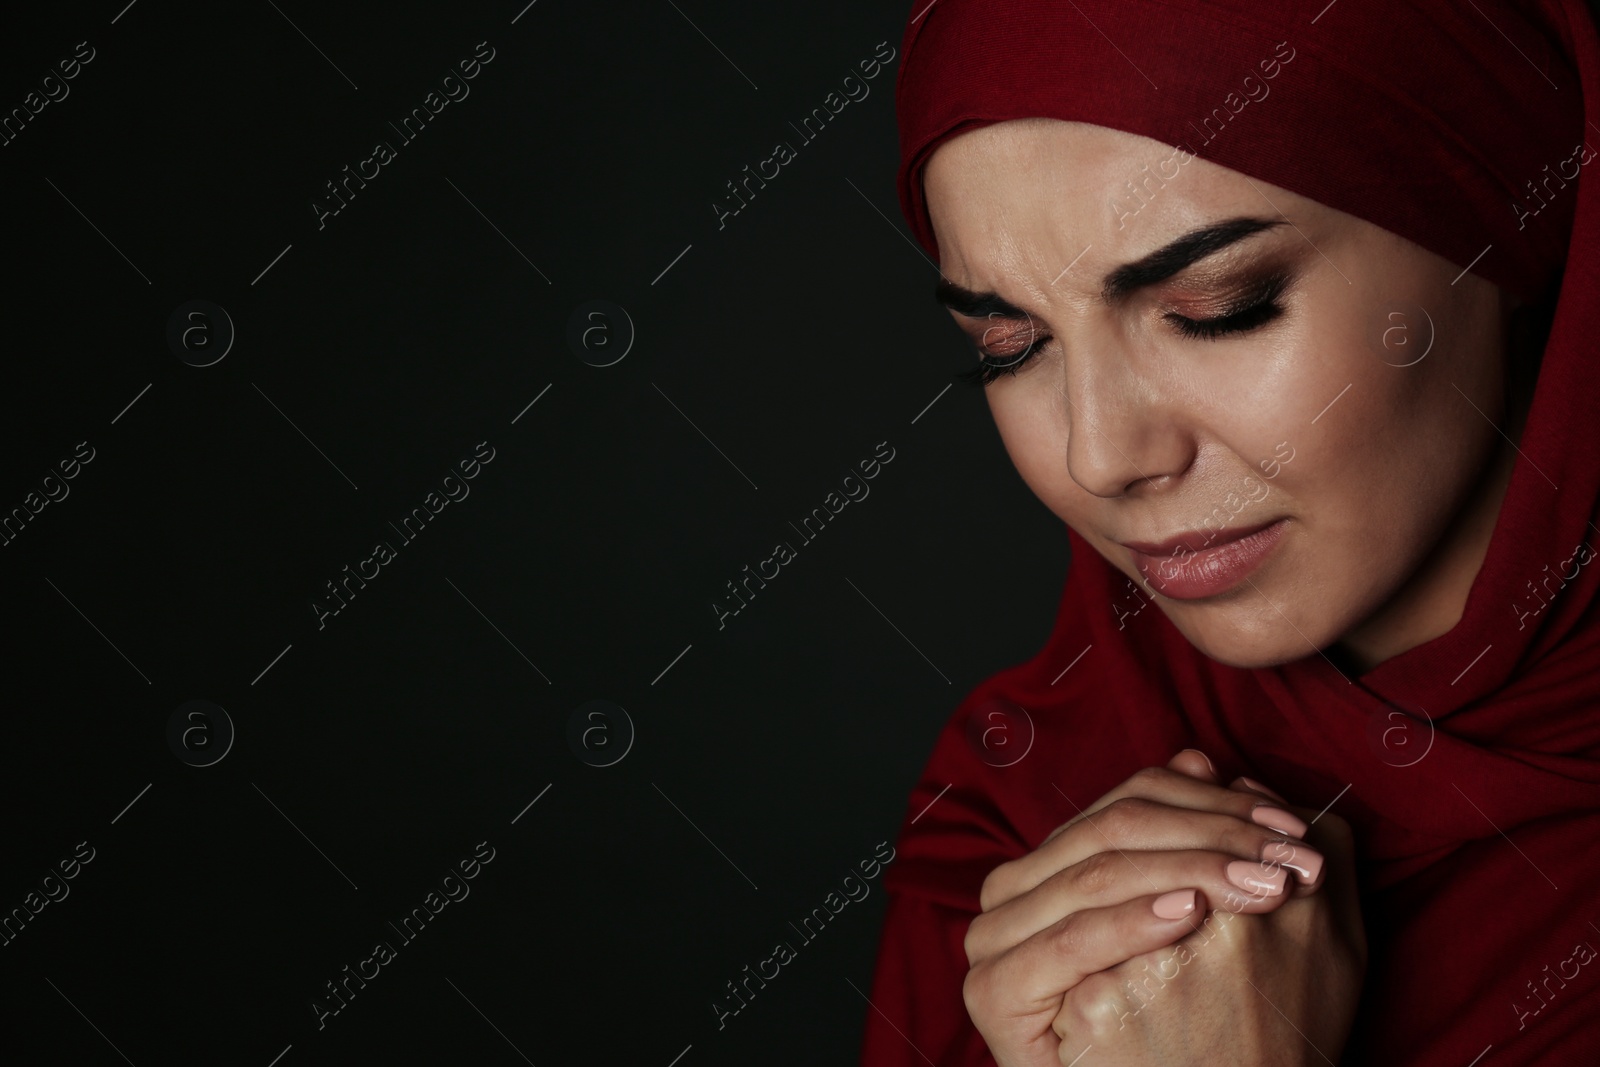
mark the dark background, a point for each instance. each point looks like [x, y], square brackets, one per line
[769, 757]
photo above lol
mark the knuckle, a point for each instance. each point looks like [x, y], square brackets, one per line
[1256, 841]
[975, 940]
[997, 886]
[1145, 778]
[1096, 875]
[980, 993]
[1242, 805]
[1122, 818]
[1069, 937]
[1093, 1013]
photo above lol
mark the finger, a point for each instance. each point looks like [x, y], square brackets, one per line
[1195, 764]
[1324, 842]
[1173, 785]
[1183, 791]
[1333, 840]
[1252, 886]
[1134, 823]
[1343, 890]
[1032, 977]
[1310, 866]
[1251, 785]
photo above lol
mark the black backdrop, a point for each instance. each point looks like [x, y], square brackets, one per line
[173, 528]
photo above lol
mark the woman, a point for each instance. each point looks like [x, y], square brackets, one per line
[1289, 311]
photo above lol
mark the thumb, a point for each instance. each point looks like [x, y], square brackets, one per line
[1195, 764]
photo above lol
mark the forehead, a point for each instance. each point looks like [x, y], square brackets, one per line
[1038, 143]
[1022, 195]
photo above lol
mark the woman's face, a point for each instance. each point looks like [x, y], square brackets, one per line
[1188, 356]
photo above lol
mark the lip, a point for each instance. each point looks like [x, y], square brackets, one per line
[1195, 540]
[1186, 567]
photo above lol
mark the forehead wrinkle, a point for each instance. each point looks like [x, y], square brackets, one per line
[1027, 267]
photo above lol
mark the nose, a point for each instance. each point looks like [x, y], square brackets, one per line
[1125, 435]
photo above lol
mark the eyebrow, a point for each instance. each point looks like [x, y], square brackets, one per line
[1147, 270]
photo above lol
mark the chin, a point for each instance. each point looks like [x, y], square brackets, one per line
[1248, 644]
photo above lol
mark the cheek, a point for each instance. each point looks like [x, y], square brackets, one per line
[1321, 409]
[1036, 440]
[1377, 475]
[1290, 387]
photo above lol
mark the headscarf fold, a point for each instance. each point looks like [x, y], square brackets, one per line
[1469, 766]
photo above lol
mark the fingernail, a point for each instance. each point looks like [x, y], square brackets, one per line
[1256, 880]
[1212, 767]
[1251, 783]
[1174, 905]
[1305, 862]
[1279, 820]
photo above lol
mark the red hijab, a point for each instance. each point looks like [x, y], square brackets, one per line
[1463, 128]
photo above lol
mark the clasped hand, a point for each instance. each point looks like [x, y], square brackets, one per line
[1174, 921]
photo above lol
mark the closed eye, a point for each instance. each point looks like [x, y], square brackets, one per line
[990, 367]
[1238, 322]
[1257, 308]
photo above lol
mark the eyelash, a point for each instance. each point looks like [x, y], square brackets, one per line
[1262, 310]
[988, 370]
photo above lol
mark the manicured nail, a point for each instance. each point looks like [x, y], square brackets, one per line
[1174, 905]
[1212, 767]
[1277, 819]
[1256, 880]
[1305, 862]
[1251, 783]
